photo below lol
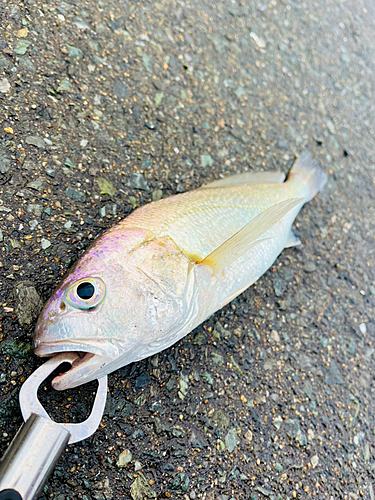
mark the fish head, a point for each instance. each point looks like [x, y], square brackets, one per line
[109, 308]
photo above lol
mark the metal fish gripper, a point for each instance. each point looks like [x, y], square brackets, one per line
[39, 443]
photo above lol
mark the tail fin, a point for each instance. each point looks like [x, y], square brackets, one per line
[309, 173]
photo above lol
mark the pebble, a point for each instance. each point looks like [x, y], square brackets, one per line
[35, 140]
[137, 181]
[363, 328]
[124, 458]
[314, 461]
[106, 186]
[4, 163]
[217, 358]
[140, 489]
[75, 195]
[206, 161]
[259, 41]
[334, 376]
[45, 243]
[231, 439]
[28, 303]
[275, 336]
[248, 437]
[64, 86]
[310, 267]
[4, 85]
[22, 46]
[183, 384]
[137, 466]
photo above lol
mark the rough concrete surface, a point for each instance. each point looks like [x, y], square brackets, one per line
[107, 105]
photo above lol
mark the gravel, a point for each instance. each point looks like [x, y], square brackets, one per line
[111, 106]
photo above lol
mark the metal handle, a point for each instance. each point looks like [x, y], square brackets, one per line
[31, 457]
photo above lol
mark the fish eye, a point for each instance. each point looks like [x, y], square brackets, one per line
[85, 290]
[86, 293]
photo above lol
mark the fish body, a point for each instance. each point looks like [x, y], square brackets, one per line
[163, 270]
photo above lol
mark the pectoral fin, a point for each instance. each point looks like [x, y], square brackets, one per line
[247, 237]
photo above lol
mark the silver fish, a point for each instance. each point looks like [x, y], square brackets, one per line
[163, 270]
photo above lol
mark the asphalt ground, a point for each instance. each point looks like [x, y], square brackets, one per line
[105, 106]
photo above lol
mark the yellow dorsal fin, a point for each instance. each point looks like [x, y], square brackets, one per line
[247, 237]
[247, 178]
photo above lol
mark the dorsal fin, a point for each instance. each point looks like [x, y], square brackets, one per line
[247, 177]
[247, 237]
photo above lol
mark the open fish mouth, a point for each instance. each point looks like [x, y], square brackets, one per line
[87, 367]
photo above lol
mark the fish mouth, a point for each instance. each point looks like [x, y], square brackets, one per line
[88, 366]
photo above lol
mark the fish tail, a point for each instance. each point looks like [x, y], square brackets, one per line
[308, 174]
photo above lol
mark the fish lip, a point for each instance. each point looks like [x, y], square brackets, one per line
[49, 349]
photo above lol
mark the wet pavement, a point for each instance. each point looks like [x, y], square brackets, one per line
[105, 106]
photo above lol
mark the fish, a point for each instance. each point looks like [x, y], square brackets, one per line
[159, 273]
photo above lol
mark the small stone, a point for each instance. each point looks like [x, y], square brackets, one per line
[314, 461]
[334, 376]
[248, 437]
[51, 172]
[363, 328]
[35, 140]
[45, 243]
[142, 381]
[292, 427]
[220, 419]
[36, 185]
[4, 163]
[22, 33]
[4, 85]
[238, 332]
[68, 162]
[75, 195]
[259, 41]
[158, 98]
[140, 489]
[106, 186]
[278, 286]
[147, 62]
[157, 195]
[278, 467]
[183, 383]
[124, 458]
[331, 126]
[28, 303]
[310, 267]
[181, 481]
[22, 47]
[207, 161]
[74, 53]
[231, 439]
[240, 92]
[137, 465]
[34, 208]
[275, 336]
[217, 358]
[137, 181]
[65, 86]
[120, 90]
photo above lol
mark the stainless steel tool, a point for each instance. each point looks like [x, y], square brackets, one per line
[39, 443]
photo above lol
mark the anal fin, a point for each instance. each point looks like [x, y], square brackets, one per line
[293, 241]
